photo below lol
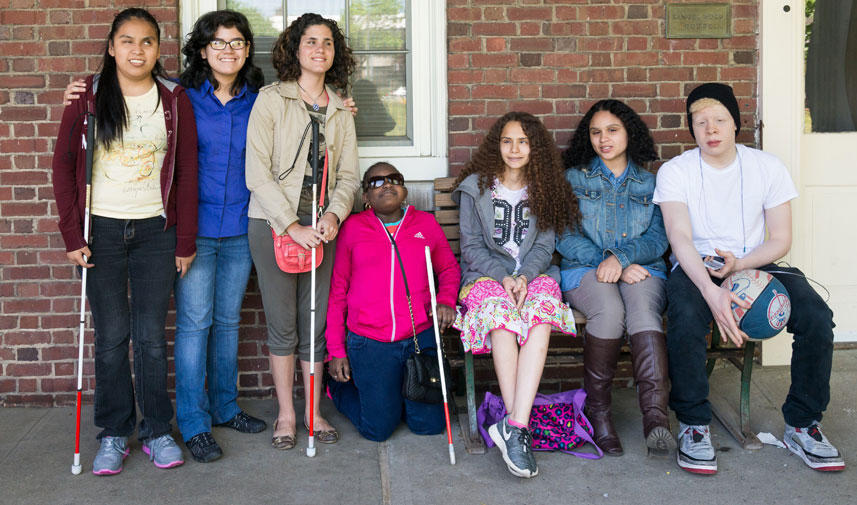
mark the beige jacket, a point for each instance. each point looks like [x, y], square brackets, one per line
[274, 132]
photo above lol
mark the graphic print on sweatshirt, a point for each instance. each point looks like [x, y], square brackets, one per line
[511, 218]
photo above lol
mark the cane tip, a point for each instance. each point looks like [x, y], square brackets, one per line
[451, 455]
[76, 469]
[310, 452]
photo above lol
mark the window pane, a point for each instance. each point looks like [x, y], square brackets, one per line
[831, 68]
[265, 16]
[377, 24]
[380, 90]
[331, 9]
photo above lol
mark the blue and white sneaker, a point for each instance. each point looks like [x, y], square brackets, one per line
[695, 453]
[813, 448]
[516, 446]
[163, 451]
[111, 454]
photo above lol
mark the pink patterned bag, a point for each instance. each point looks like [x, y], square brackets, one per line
[557, 422]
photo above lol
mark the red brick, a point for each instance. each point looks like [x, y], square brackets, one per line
[566, 60]
[22, 17]
[495, 44]
[707, 74]
[22, 81]
[706, 58]
[566, 29]
[494, 29]
[545, 44]
[466, 44]
[527, 13]
[566, 13]
[463, 14]
[532, 75]
[58, 385]
[492, 13]
[28, 369]
[495, 91]
[564, 91]
[457, 61]
[25, 272]
[529, 29]
[535, 107]
[29, 306]
[641, 59]
[739, 73]
[465, 76]
[629, 90]
[494, 60]
[73, 64]
[595, 29]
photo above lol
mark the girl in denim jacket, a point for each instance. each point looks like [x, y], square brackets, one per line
[612, 269]
[512, 199]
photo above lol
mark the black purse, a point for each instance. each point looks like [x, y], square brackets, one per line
[421, 382]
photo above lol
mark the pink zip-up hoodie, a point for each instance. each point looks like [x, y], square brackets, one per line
[367, 293]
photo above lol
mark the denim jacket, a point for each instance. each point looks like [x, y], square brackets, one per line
[621, 220]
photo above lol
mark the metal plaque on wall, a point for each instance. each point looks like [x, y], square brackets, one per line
[699, 21]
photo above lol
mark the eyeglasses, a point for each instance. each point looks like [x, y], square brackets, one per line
[220, 44]
[379, 181]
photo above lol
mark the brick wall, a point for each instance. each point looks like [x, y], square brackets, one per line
[550, 57]
[555, 58]
[43, 45]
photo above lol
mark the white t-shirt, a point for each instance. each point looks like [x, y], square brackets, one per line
[715, 197]
[511, 219]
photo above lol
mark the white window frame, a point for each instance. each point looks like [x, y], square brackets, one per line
[427, 158]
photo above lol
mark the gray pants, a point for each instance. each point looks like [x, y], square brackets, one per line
[286, 297]
[611, 308]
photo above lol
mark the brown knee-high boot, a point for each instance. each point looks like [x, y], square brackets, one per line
[599, 367]
[651, 376]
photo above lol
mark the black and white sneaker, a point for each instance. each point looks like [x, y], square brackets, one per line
[203, 447]
[516, 446]
[245, 423]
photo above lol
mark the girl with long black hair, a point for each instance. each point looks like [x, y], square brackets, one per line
[144, 215]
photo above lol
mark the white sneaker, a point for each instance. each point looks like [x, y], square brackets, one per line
[695, 453]
[813, 448]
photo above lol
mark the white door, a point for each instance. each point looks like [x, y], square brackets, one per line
[808, 100]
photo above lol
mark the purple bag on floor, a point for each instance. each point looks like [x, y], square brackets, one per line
[557, 422]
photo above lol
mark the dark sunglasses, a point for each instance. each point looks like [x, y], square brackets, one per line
[379, 181]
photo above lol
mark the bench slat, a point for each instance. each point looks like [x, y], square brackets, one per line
[444, 184]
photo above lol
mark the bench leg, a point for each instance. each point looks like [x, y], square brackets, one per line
[737, 423]
[472, 439]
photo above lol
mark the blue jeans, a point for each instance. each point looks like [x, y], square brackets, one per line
[689, 321]
[140, 254]
[373, 400]
[208, 310]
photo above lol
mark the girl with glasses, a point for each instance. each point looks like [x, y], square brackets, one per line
[376, 311]
[513, 200]
[312, 60]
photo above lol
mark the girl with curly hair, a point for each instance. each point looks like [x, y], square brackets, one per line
[513, 200]
[311, 59]
[612, 269]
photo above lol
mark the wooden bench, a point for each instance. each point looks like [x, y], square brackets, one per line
[738, 423]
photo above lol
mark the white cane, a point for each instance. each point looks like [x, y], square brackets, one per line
[89, 145]
[310, 450]
[439, 354]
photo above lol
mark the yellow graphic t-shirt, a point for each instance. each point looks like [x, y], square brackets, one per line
[126, 179]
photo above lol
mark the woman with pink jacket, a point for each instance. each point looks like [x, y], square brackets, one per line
[370, 327]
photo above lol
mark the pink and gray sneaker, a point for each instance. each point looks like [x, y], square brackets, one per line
[111, 454]
[163, 451]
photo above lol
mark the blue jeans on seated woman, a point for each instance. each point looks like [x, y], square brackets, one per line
[208, 310]
[373, 399]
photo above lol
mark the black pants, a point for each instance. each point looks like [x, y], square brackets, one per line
[689, 321]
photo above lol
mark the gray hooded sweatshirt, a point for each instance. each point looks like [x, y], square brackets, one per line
[481, 256]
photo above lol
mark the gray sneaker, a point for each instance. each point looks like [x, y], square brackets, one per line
[516, 446]
[163, 451]
[695, 453]
[813, 448]
[110, 455]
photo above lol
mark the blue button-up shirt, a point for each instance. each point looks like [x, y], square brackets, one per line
[222, 133]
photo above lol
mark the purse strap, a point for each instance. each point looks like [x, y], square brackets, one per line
[407, 291]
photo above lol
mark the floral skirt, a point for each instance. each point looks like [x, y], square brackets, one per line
[487, 307]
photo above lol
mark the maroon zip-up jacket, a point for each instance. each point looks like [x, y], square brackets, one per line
[178, 174]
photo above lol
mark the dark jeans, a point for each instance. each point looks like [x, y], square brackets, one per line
[137, 254]
[373, 400]
[689, 321]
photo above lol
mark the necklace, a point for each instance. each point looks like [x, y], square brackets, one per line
[314, 100]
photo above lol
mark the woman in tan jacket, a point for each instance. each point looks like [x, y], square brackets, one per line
[312, 59]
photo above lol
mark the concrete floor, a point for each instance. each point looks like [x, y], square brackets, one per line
[37, 445]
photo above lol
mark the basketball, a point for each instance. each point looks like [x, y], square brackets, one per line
[770, 308]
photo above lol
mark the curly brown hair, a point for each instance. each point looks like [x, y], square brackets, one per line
[551, 197]
[285, 53]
